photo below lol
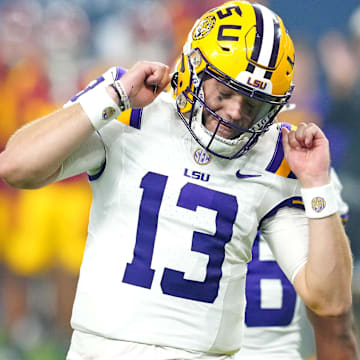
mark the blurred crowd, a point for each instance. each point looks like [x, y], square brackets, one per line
[49, 50]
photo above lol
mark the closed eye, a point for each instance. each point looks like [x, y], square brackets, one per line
[225, 95]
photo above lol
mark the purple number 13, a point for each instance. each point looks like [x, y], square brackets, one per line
[139, 272]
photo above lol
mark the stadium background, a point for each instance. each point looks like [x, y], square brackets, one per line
[49, 50]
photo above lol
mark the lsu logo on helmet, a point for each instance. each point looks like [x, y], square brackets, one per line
[204, 27]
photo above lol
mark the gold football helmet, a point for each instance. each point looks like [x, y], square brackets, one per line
[246, 47]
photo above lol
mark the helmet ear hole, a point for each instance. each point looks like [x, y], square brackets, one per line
[174, 80]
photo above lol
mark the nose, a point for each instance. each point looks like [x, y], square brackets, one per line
[232, 108]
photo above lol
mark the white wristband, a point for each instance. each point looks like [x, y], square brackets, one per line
[319, 201]
[99, 107]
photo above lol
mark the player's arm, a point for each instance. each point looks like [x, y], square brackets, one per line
[334, 336]
[34, 154]
[324, 282]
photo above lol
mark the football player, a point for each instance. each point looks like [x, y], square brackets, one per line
[179, 193]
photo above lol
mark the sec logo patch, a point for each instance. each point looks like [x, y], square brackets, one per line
[201, 157]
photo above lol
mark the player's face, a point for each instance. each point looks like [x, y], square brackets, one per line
[233, 107]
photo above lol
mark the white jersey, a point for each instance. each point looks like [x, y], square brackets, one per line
[171, 231]
[276, 324]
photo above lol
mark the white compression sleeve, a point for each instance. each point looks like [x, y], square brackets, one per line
[287, 235]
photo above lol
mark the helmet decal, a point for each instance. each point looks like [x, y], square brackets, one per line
[204, 27]
[259, 83]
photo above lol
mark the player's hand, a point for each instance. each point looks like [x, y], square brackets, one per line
[307, 152]
[144, 82]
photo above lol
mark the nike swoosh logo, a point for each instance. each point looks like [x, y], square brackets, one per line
[244, 176]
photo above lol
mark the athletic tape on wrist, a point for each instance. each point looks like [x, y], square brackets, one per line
[124, 102]
[319, 201]
[99, 107]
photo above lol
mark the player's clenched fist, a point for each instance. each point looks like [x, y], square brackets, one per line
[144, 81]
[307, 152]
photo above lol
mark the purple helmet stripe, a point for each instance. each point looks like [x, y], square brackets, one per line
[268, 75]
[250, 68]
[259, 33]
[276, 44]
[275, 49]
